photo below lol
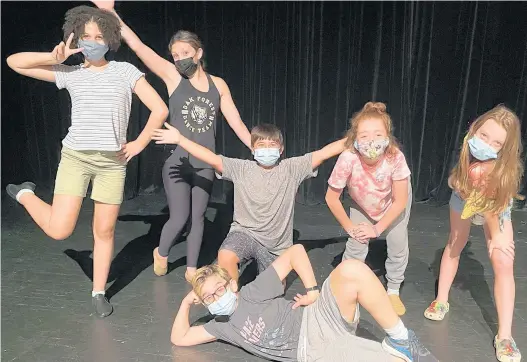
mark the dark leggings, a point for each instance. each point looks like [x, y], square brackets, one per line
[188, 190]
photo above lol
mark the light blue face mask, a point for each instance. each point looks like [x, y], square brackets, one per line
[267, 156]
[93, 50]
[225, 305]
[481, 150]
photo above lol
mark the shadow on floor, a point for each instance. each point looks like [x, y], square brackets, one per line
[136, 256]
[471, 277]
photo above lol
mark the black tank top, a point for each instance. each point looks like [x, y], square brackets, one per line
[194, 114]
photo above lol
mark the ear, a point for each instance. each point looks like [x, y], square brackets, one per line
[199, 53]
[281, 150]
[234, 285]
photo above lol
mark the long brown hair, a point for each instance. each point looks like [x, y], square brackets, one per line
[372, 110]
[191, 39]
[505, 176]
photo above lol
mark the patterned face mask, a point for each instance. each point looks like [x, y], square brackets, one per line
[372, 149]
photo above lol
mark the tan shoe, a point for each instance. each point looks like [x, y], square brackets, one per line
[397, 304]
[188, 276]
[160, 264]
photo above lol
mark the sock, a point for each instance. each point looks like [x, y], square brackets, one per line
[94, 293]
[21, 192]
[393, 291]
[398, 332]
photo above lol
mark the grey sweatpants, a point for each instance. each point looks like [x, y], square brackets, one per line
[396, 240]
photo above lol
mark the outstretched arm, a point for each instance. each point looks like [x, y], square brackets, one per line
[39, 65]
[172, 136]
[328, 151]
[296, 258]
[182, 333]
[160, 66]
[231, 114]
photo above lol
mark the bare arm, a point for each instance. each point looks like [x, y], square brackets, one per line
[39, 65]
[231, 114]
[202, 153]
[337, 209]
[158, 109]
[182, 333]
[172, 136]
[328, 151]
[295, 258]
[160, 66]
[399, 200]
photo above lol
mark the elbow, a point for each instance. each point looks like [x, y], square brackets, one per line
[176, 341]
[162, 111]
[10, 62]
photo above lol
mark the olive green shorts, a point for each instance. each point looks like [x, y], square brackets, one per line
[103, 168]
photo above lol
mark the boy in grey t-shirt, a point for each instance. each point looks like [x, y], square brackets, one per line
[264, 193]
[317, 326]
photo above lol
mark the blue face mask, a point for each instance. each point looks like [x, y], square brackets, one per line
[93, 50]
[267, 156]
[480, 150]
[225, 305]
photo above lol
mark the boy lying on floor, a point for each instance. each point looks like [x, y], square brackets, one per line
[257, 319]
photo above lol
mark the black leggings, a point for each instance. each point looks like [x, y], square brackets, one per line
[188, 190]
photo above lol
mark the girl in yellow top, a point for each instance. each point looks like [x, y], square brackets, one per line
[484, 181]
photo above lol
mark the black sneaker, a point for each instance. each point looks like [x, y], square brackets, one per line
[13, 190]
[102, 307]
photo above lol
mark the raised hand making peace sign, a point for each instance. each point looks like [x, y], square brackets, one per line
[63, 51]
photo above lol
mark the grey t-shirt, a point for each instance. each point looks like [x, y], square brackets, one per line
[264, 199]
[264, 323]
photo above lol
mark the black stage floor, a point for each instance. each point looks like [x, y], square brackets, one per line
[46, 287]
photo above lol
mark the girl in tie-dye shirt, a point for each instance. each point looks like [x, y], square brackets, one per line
[374, 170]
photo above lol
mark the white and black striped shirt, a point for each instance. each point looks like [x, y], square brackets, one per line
[100, 104]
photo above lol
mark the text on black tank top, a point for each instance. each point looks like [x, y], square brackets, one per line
[194, 114]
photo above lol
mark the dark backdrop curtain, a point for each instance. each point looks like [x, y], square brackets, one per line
[305, 66]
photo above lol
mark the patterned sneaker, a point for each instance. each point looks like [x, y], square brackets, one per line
[410, 350]
[506, 350]
[437, 310]
[13, 190]
[397, 304]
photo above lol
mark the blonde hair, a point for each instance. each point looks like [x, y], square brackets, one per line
[204, 273]
[266, 131]
[506, 173]
[372, 110]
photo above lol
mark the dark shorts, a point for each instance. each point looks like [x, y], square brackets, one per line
[248, 248]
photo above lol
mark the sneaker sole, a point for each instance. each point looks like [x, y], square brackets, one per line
[434, 317]
[394, 352]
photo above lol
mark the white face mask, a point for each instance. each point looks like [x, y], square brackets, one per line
[267, 156]
[225, 305]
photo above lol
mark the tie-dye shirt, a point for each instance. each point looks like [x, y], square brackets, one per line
[371, 188]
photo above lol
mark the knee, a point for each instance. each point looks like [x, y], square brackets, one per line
[61, 234]
[227, 258]
[352, 269]
[104, 233]
[502, 264]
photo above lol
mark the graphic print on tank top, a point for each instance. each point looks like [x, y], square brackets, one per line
[194, 113]
[198, 114]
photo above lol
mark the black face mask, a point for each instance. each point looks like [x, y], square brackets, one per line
[186, 67]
